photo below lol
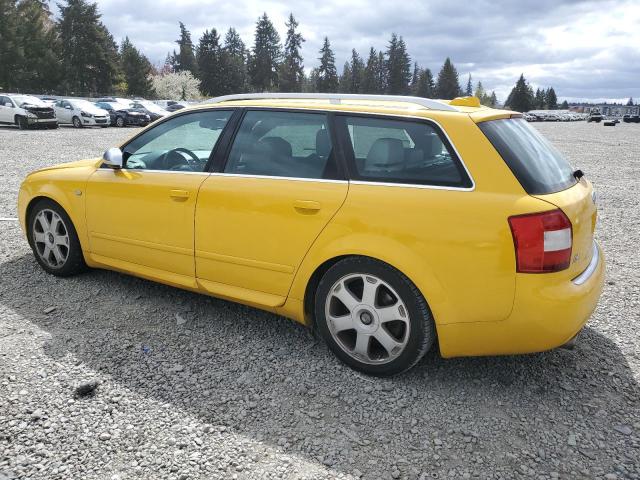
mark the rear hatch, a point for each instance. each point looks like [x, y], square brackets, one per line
[545, 174]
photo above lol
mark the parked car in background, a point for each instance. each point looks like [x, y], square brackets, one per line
[175, 106]
[26, 111]
[123, 115]
[389, 229]
[594, 117]
[81, 113]
[145, 106]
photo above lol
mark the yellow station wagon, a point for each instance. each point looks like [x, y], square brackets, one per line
[386, 223]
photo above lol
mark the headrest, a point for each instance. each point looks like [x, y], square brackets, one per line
[323, 143]
[385, 153]
[277, 145]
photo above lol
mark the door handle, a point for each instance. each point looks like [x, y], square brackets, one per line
[306, 205]
[179, 194]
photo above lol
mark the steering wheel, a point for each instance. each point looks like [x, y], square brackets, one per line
[173, 158]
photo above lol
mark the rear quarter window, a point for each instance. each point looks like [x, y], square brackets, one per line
[402, 151]
[536, 163]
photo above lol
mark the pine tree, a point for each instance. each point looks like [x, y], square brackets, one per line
[89, 54]
[39, 67]
[381, 73]
[469, 91]
[521, 98]
[426, 87]
[493, 100]
[211, 64]
[480, 94]
[398, 67]
[11, 55]
[235, 61]
[565, 105]
[414, 79]
[137, 70]
[448, 86]
[369, 79]
[344, 84]
[357, 72]
[629, 103]
[266, 55]
[327, 73]
[292, 68]
[185, 59]
[539, 100]
[551, 99]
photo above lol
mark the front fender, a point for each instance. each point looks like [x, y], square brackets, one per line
[64, 186]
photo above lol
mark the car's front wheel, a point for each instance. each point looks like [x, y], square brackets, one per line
[22, 122]
[373, 317]
[54, 239]
[76, 122]
[119, 122]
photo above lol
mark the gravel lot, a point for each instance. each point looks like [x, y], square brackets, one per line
[194, 387]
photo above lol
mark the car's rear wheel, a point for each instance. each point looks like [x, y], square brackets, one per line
[76, 122]
[119, 122]
[373, 317]
[54, 239]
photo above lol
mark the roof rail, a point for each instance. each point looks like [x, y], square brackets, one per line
[336, 98]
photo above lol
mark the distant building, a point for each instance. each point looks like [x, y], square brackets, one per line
[609, 109]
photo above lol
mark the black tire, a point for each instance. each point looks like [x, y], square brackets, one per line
[77, 123]
[22, 123]
[74, 263]
[120, 122]
[422, 331]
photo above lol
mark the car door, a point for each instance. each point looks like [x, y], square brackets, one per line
[6, 110]
[60, 112]
[140, 218]
[257, 218]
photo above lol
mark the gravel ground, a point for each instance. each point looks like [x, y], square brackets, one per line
[193, 387]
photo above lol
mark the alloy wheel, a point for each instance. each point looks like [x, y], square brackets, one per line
[367, 318]
[51, 238]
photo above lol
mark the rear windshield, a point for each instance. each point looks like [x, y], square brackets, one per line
[537, 165]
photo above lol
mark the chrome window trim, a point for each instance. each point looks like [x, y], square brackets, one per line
[140, 170]
[413, 185]
[273, 177]
[591, 268]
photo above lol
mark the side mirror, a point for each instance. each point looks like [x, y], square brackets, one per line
[8, 104]
[68, 107]
[113, 158]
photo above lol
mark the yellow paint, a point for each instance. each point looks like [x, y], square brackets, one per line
[258, 240]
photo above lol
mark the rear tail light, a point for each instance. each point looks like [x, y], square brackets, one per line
[542, 241]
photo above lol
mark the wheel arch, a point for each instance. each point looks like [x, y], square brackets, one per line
[424, 280]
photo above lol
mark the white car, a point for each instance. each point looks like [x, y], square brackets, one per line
[81, 113]
[26, 111]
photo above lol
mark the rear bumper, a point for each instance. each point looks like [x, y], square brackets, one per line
[548, 311]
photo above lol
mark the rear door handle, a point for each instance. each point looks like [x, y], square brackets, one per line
[179, 194]
[307, 205]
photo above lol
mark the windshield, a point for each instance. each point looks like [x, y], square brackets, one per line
[152, 107]
[82, 104]
[537, 165]
[28, 99]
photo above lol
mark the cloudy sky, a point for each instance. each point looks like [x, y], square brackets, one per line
[584, 49]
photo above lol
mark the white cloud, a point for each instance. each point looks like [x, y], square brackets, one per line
[584, 49]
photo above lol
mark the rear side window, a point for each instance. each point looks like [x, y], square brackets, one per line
[397, 151]
[539, 166]
[282, 144]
